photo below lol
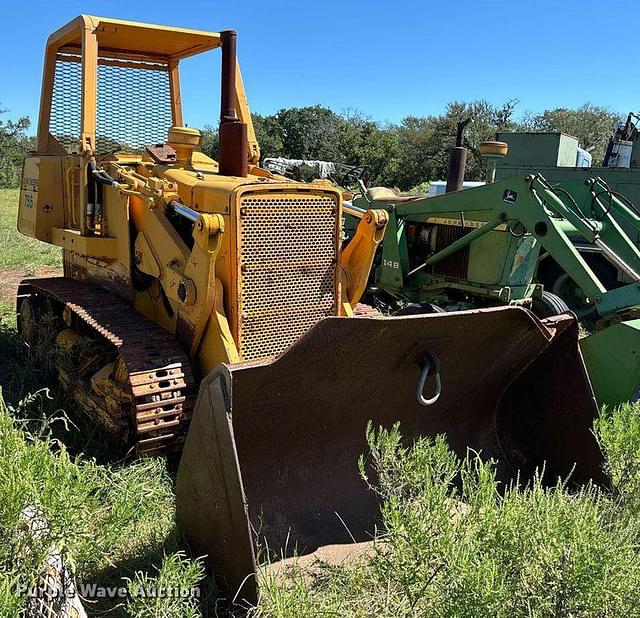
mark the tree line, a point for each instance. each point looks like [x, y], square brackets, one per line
[14, 145]
[401, 155]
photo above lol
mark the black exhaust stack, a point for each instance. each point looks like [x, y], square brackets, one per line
[457, 160]
[233, 143]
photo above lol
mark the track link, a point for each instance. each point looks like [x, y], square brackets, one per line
[159, 372]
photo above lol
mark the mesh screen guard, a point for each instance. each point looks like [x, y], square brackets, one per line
[133, 104]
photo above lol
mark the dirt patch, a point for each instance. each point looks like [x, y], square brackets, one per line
[325, 557]
[10, 279]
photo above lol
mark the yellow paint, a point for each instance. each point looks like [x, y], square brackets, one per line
[41, 205]
[357, 257]
[185, 275]
[72, 240]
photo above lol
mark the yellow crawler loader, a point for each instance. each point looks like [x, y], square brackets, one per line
[210, 307]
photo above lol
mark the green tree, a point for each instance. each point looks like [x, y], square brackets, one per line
[310, 133]
[14, 145]
[424, 143]
[362, 141]
[210, 141]
[269, 135]
[487, 120]
[417, 150]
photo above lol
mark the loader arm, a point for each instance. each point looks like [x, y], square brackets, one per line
[357, 257]
[602, 231]
[262, 382]
[553, 217]
[186, 275]
[538, 207]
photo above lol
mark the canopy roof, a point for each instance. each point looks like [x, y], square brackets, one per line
[119, 37]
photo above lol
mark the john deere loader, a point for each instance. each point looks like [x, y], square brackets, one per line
[209, 307]
[490, 245]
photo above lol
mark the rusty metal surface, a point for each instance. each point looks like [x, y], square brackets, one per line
[228, 46]
[455, 174]
[457, 160]
[273, 447]
[159, 371]
[233, 149]
[233, 135]
[457, 264]
[366, 311]
[161, 153]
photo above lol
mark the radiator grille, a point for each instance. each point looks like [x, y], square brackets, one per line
[456, 265]
[133, 104]
[288, 252]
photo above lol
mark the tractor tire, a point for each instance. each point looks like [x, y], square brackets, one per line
[419, 309]
[549, 306]
[568, 290]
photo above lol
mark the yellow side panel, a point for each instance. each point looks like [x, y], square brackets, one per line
[92, 246]
[41, 206]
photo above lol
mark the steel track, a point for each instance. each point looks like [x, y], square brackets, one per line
[160, 377]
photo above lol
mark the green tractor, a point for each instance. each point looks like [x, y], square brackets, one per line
[485, 246]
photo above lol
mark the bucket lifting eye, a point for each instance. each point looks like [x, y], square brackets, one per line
[428, 362]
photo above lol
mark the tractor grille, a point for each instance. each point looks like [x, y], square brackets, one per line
[133, 104]
[288, 252]
[456, 265]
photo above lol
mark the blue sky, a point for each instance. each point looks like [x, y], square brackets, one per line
[386, 59]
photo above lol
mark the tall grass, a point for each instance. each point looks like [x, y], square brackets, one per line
[453, 541]
[457, 543]
[111, 522]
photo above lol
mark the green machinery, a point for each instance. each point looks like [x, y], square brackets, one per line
[482, 247]
[557, 157]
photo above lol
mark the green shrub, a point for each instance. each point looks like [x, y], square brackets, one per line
[618, 432]
[455, 543]
[459, 544]
[170, 594]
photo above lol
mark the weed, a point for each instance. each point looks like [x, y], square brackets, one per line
[111, 521]
[457, 543]
[173, 593]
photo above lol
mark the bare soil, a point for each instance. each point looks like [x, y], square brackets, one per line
[10, 279]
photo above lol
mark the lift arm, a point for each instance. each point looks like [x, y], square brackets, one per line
[357, 257]
[542, 212]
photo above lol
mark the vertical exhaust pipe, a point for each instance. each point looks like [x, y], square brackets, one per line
[233, 142]
[457, 160]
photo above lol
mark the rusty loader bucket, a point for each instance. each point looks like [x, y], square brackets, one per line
[271, 456]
